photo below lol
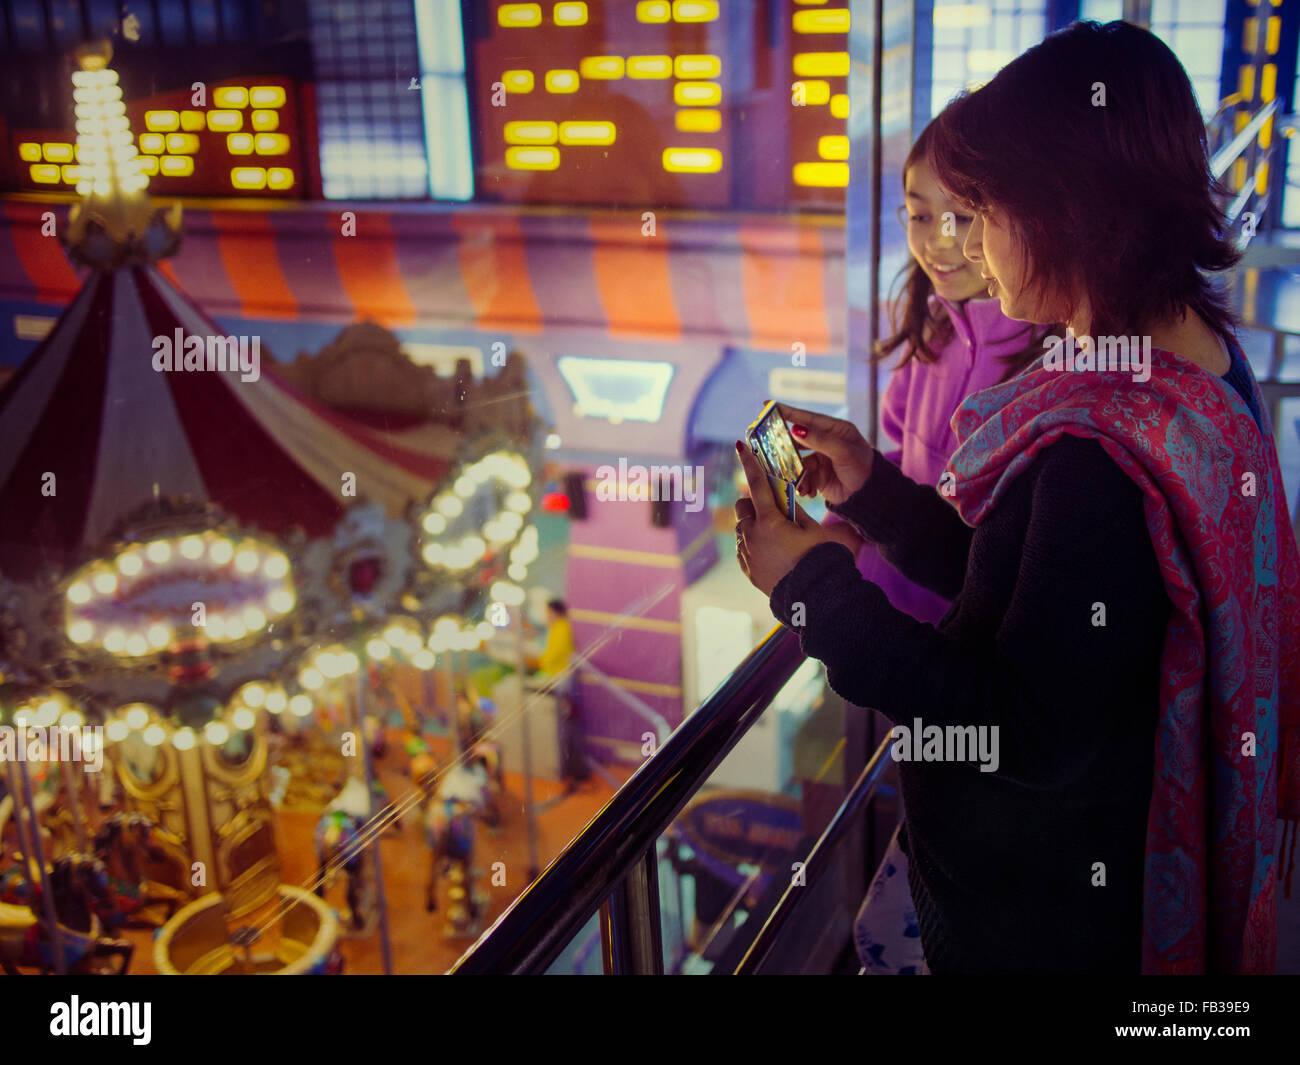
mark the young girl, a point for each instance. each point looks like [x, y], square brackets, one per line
[1125, 632]
[954, 340]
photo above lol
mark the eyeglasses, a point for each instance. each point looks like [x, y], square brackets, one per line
[921, 223]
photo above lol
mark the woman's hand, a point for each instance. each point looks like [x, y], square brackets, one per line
[768, 544]
[841, 459]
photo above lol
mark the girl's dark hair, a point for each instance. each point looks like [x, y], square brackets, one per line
[1092, 144]
[919, 327]
[559, 606]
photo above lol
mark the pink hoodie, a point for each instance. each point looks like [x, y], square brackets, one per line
[917, 411]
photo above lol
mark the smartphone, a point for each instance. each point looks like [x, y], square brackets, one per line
[770, 440]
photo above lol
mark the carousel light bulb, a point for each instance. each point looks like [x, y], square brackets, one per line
[464, 487]
[276, 566]
[246, 560]
[553, 441]
[517, 571]
[216, 733]
[158, 552]
[507, 593]
[47, 713]
[450, 506]
[137, 717]
[311, 679]
[81, 631]
[243, 719]
[473, 546]
[154, 735]
[72, 719]
[89, 743]
[115, 641]
[159, 635]
[183, 740]
[446, 624]
[434, 523]
[216, 627]
[105, 583]
[79, 593]
[254, 619]
[300, 705]
[378, 649]
[280, 601]
[221, 551]
[192, 547]
[276, 701]
[520, 502]
[326, 662]
[485, 629]
[130, 563]
[433, 554]
[350, 662]
[23, 717]
[423, 659]
[236, 629]
[439, 642]
[137, 645]
[253, 694]
[117, 731]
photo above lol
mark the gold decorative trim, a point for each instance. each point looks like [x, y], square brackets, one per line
[623, 621]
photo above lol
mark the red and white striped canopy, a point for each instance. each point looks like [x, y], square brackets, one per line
[89, 408]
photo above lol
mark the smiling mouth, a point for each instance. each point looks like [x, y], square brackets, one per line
[946, 271]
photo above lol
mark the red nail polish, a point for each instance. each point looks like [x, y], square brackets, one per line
[799, 431]
[739, 448]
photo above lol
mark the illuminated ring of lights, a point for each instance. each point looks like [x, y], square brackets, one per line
[93, 588]
[509, 477]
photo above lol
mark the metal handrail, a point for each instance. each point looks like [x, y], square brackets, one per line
[1225, 156]
[539, 924]
[818, 860]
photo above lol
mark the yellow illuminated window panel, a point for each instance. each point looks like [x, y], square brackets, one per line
[532, 132]
[153, 143]
[266, 96]
[248, 177]
[822, 175]
[72, 173]
[46, 174]
[279, 178]
[1248, 31]
[519, 81]
[570, 14]
[1268, 83]
[692, 160]
[695, 10]
[1246, 83]
[265, 121]
[176, 165]
[161, 121]
[834, 147]
[830, 20]
[697, 66]
[148, 165]
[1274, 35]
[649, 66]
[518, 16]
[821, 64]
[538, 158]
[587, 132]
[271, 143]
[654, 11]
[225, 121]
[601, 67]
[29, 152]
[815, 92]
[839, 106]
[230, 96]
[699, 120]
[239, 143]
[182, 143]
[57, 152]
[697, 93]
[193, 121]
[561, 81]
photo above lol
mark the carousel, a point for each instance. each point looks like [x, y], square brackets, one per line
[208, 576]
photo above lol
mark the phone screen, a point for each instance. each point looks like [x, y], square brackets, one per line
[771, 442]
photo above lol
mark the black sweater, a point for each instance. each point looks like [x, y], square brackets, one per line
[1003, 868]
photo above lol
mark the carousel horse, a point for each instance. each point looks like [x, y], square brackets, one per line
[450, 830]
[84, 907]
[337, 837]
[128, 844]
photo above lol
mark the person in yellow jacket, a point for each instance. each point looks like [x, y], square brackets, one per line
[557, 655]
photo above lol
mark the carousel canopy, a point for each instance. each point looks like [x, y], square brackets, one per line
[90, 431]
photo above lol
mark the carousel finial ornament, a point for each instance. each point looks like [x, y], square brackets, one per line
[115, 223]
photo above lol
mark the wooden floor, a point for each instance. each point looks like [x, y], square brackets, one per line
[419, 942]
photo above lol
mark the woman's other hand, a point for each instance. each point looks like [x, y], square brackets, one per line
[768, 544]
[840, 459]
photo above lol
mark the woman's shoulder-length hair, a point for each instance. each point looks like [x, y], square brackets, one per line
[1092, 144]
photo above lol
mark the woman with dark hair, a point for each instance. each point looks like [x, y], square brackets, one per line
[1123, 649]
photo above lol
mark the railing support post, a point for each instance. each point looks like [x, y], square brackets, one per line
[631, 938]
